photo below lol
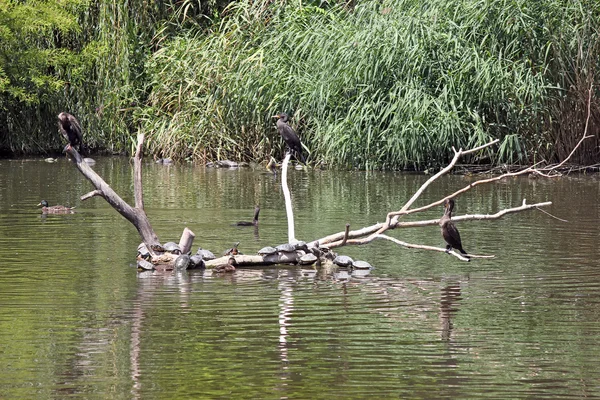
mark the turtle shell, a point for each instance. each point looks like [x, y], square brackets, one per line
[358, 264]
[265, 251]
[172, 247]
[300, 246]
[286, 248]
[308, 258]
[143, 252]
[205, 254]
[182, 262]
[343, 261]
[145, 265]
[196, 262]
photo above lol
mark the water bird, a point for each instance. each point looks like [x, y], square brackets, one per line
[254, 221]
[289, 136]
[58, 209]
[232, 251]
[71, 130]
[449, 230]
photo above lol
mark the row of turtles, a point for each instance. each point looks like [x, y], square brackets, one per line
[183, 261]
[287, 253]
[301, 253]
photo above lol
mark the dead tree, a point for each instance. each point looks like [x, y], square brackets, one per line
[136, 215]
[322, 246]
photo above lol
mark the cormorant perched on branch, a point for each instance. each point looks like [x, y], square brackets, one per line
[449, 231]
[289, 136]
[254, 221]
[71, 130]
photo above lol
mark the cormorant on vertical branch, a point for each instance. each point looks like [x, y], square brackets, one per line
[290, 137]
[71, 130]
[449, 230]
[254, 221]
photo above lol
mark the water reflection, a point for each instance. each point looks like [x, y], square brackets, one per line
[449, 306]
[76, 319]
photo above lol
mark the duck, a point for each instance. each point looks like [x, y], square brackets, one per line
[233, 251]
[254, 221]
[289, 136]
[58, 209]
[228, 267]
[449, 231]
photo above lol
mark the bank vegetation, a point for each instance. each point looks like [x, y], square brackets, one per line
[372, 85]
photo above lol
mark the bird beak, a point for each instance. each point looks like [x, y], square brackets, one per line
[39, 204]
[276, 116]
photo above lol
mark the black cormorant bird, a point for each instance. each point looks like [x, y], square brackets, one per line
[290, 137]
[449, 231]
[55, 209]
[71, 130]
[254, 221]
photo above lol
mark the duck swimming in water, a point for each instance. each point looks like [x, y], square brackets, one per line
[449, 230]
[254, 221]
[289, 136]
[55, 209]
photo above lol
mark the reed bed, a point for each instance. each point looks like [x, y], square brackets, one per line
[391, 84]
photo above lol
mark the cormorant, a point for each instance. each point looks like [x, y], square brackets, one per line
[254, 221]
[290, 137]
[55, 209]
[449, 231]
[71, 130]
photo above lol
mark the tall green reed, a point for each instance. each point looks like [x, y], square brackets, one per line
[390, 84]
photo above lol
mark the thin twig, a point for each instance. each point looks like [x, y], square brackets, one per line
[585, 135]
[553, 216]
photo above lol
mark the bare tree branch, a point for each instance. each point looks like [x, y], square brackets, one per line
[423, 247]
[136, 216]
[137, 173]
[585, 135]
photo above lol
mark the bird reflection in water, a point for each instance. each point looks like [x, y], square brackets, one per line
[449, 302]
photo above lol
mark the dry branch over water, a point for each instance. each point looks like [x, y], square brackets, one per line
[295, 251]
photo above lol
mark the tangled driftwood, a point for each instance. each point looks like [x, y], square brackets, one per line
[321, 247]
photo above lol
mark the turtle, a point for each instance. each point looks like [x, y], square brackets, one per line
[286, 248]
[300, 245]
[361, 265]
[196, 262]
[308, 258]
[343, 261]
[157, 247]
[145, 265]
[232, 251]
[172, 247]
[205, 254]
[266, 251]
[143, 252]
[182, 262]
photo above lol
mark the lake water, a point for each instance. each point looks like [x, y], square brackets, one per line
[78, 321]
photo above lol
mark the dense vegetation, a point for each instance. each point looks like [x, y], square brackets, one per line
[388, 84]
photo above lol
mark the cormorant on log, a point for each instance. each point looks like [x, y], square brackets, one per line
[71, 130]
[290, 137]
[254, 221]
[449, 230]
